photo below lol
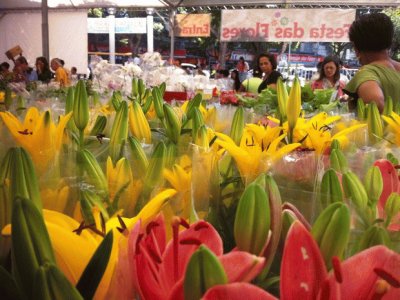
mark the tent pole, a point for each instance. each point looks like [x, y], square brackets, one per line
[172, 33]
[149, 26]
[111, 33]
[45, 30]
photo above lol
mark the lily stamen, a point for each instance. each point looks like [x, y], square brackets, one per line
[394, 282]
[150, 226]
[200, 226]
[123, 227]
[190, 241]
[337, 269]
[81, 227]
[175, 239]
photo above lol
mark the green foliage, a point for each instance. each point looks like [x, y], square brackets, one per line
[394, 14]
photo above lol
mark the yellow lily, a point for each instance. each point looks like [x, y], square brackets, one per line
[74, 250]
[393, 122]
[316, 134]
[151, 113]
[37, 134]
[293, 107]
[252, 157]
[121, 182]
[180, 179]
[55, 198]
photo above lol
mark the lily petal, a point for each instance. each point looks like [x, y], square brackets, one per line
[303, 269]
[237, 291]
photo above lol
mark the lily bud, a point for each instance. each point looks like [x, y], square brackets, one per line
[197, 122]
[374, 235]
[99, 125]
[158, 102]
[252, 220]
[135, 88]
[331, 190]
[237, 125]
[355, 191]
[202, 272]
[202, 138]
[95, 175]
[293, 106]
[119, 132]
[392, 207]
[335, 144]
[388, 106]
[23, 177]
[331, 231]
[139, 157]
[194, 103]
[361, 111]
[51, 283]
[138, 123]
[31, 245]
[373, 183]
[375, 125]
[338, 161]
[81, 106]
[162, 87]
[282, 96]
[172, 123]
[8, 98]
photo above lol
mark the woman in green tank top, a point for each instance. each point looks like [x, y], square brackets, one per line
[379, 78]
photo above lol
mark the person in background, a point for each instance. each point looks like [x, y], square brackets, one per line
[243, 68]
[329, 77]
[315, 76]
[61, 74]
[74, 71]
[5, 73]
[43, 69]
[266, 65]
[23, 72]
[379, 76]
[343, 77]
[251, 84]
[236, 81]
[224, 82]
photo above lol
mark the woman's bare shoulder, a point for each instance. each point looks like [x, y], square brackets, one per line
[396, 65]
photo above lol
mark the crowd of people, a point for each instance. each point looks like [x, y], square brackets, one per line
[371, 36]
[43, 71]
[377, 79]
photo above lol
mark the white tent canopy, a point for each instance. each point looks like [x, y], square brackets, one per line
[36, 4]
[58, 29]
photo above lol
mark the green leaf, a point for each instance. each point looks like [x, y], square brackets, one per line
[8, 287]
[31, 245]
[94, 271]
[203, 271]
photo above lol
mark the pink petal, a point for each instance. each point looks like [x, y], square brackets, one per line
[203, 233]
[390, 181]
[360, 277]
[145, 251]
[241, 266]
[177, 292]
[302, 270]
[237, 291]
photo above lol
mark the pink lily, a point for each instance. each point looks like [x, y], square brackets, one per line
[371, 274]
[237, 291]
[157, 267]
[391, 183]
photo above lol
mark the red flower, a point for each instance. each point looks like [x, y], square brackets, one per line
[371, 274]
[158, 268]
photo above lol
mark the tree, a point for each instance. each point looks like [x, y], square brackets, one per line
[394, 14]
